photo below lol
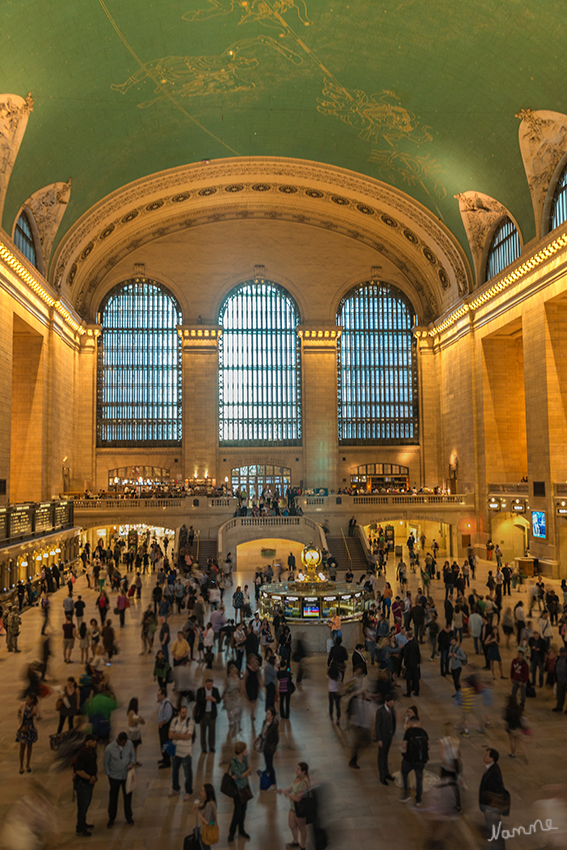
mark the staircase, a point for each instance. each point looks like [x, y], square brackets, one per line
[207, 549]
[337, 548]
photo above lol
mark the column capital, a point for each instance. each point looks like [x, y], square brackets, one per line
[317, 335]
[199, 336]
[88, 339]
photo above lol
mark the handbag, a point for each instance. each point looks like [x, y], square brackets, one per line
[130, 781]
[228, 786]
[245, 794]
[169, 748]
[259, 744]
[210, 833]
[116, 612]
[305, 807]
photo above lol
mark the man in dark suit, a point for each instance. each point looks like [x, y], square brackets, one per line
[358, 659]
[206, 713]
[385, 729]
[491, 798]
[411, 655]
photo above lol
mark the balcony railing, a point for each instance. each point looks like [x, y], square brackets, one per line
[519, 489]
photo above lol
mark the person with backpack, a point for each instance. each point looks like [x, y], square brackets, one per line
[415, 755]
[165, 716]
[182, 733]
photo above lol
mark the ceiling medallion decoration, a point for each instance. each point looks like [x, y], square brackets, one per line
[261, 187]
[287, 190]
[130, 216]
[364, 209]
[342, 202]
[235, 187]
[411, 237]
[155, 205]
[204, 193]
[87, 251]
[313, 193]
[107, 231]
[429, 256]
[389, 221]
[443, 278]
[178, 199]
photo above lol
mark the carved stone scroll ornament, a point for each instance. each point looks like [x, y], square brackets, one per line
[48, 206]
[543, 142]
[479, 213]
[14, 114]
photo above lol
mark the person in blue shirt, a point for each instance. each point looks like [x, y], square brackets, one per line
[119, 758]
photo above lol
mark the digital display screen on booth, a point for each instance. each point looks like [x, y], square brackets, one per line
[538, 523]
[311, 610]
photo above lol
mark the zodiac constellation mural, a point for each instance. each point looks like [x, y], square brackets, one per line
[267, 14]
[376, 118]
[192, 76]
[413, 170]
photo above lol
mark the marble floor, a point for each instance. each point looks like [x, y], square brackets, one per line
[359, 811]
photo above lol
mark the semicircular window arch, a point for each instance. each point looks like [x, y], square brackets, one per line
[505, 248]
[259, 367]
[377, 367]
[139, 376]
[559, 202]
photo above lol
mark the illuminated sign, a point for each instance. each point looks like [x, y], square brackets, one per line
[538, 524]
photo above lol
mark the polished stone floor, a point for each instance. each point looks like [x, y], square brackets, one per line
[360, 811]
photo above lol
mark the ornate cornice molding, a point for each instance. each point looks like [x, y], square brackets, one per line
[310, 193]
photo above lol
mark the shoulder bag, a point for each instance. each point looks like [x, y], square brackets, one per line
[228, 786]
[210, 833]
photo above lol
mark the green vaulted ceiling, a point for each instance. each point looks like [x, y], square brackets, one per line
[420, 95]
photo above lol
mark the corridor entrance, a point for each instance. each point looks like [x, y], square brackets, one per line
[257, 477]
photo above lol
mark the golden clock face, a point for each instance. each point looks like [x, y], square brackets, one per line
[311, 557]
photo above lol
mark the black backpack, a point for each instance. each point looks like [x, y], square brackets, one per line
[418, 748]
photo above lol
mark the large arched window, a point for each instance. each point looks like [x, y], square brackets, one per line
[23, 238]
[377, 371]
[259, 367]
[139, 367]
[559, 202]
[504, 249]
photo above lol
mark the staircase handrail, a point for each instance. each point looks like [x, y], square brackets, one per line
[347, 550]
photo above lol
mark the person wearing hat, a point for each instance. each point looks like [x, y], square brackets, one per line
[519, 675]
[561, 677]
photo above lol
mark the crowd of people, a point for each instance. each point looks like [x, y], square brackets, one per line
[222, 656]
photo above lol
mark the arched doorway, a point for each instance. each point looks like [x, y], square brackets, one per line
[257, 477]
[375, 476]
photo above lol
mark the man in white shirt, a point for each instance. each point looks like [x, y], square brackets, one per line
[181, 731]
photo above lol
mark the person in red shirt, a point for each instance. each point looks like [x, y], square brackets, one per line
[520, 675]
